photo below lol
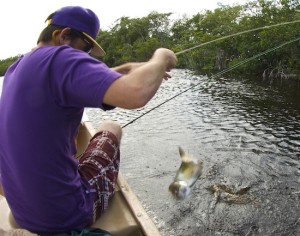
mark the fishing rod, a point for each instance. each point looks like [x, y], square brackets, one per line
[226, 70]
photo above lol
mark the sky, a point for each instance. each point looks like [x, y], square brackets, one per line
[21, 21]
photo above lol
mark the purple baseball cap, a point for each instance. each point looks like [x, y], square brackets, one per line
[81, 19]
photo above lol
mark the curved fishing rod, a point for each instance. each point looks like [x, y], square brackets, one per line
[216, 75]
[239, 33]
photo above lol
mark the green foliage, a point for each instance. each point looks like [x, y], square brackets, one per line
[4, 64]
[135, 39]
[209, 36]
[237, 49]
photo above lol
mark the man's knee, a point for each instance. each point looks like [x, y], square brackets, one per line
[113, 127]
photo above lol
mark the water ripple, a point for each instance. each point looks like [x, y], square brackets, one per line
[246, 135]
[224, 113]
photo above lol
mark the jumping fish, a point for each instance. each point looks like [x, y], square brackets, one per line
[186, 176]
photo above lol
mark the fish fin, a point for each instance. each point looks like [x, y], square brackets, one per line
[181, 152]
[185, 157]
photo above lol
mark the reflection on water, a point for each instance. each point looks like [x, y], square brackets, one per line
[247, 135]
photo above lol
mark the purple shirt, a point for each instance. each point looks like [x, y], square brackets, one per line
[41, 106]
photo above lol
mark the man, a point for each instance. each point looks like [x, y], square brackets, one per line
[44, 94]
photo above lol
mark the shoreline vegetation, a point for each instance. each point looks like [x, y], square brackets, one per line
[135, 39]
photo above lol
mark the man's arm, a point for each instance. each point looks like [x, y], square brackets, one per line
[127, 67]
[140, 81]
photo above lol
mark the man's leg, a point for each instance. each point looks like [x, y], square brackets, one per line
[99, 164]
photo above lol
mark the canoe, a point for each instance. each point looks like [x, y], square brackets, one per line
[125, 215]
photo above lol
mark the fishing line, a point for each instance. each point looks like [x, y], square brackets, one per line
[216, 75]
[226, 70]
[254, 57]
[239, 33]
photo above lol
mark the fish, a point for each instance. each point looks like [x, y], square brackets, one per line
[230, 195]
[188, 173]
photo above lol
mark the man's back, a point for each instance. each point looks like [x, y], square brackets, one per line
[38, 123]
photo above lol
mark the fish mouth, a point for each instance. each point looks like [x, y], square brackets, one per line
[179, 190]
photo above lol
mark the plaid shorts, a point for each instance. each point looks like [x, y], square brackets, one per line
[99, 165]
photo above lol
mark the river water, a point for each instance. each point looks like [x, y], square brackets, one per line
[248, 136]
